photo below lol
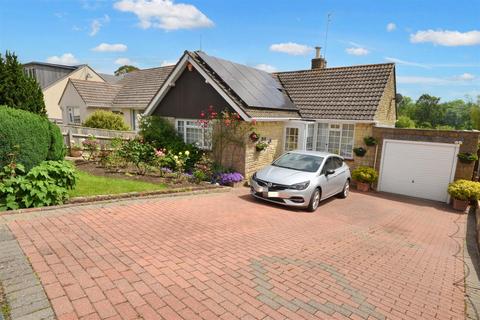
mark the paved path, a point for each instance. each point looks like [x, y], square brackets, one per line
[226, 256]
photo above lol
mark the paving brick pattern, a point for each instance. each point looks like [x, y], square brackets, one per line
[23, 291]
[226, 256]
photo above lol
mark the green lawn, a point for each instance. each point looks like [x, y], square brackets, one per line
[90, 185]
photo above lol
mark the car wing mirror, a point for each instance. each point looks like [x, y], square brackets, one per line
[329, 172]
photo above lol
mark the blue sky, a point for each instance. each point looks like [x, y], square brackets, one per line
[435, 43]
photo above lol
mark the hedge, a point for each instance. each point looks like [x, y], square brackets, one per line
[30, 137]
[106, 120]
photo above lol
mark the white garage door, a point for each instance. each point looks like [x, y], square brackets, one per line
[418, 169]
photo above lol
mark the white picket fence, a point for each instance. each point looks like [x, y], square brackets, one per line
[76, 134]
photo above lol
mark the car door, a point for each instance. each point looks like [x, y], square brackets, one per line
[333, 182]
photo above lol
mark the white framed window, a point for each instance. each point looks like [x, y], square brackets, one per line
[193, 132]
[74, 115]
[291, 138]
[336, 138]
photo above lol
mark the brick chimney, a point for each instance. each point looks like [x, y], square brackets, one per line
[318, 62]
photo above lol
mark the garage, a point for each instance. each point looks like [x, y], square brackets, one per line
[418, 169]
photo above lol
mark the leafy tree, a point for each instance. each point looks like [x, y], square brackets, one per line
[405, 106]
[428, 112]
[405, 122]
[125, 69]
[17, 90]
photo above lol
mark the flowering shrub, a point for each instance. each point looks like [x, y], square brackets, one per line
[229, 132]
[91, 145]
[464, 190]
[229, 178]
[138, 153]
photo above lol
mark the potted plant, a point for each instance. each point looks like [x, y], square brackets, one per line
[231, 179]
[261, 146]
[467, 157]
[360, 152]
[364, 176]
[462, 192]
[370, 141]
[76, 150]
[254, 137]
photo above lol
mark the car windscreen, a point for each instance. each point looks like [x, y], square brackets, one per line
[297, 161]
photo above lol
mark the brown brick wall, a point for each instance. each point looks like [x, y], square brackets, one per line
[362, 130]
[255, 160]
[386, 112]
[469, 143]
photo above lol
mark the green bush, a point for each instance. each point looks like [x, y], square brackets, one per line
[467, 157]
[464, 190]
[139, 153]
[23, 133]
[365, 174]
[44, 185]
[404, 122]
[161, 134]
[57, 147]
[106, 120]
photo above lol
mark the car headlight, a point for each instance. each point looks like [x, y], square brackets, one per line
[300, 186]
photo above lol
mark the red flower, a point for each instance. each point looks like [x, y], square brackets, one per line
[227, 122]
[210, 107]
[202, 114]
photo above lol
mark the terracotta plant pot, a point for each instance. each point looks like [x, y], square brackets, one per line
[363, 186]
[76, 153]
[460, 205]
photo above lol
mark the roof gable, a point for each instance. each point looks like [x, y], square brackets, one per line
[134, 90]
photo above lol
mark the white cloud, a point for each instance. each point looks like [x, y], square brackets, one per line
[97, 24]
[168, 63]
[357, 51]
[165, 14]
[266, 67]
[407, 63]
[391, 27]
[124, 61]
[465, 77]
[66, 58]
[291, 48]
[447, 37]
[110, 47]
[461, 80]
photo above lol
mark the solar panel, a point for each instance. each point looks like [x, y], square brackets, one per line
[255, 87]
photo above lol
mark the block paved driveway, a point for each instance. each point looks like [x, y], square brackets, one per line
[226, 256]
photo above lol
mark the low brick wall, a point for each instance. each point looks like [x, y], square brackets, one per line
[468, 139]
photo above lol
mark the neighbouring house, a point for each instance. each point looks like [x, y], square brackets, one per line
[324, 109]
[128, 96]
[53, 78]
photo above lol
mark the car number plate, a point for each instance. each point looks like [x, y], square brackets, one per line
[271, 194]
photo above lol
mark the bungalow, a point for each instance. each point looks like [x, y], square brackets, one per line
[53, 78]
[128, 96]
[324, 109]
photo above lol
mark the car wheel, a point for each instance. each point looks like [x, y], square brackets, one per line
[345, 191]
[314, 200]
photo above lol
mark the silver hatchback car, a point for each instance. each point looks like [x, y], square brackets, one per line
[302, 179]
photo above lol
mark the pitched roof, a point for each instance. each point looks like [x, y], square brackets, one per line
[139, 87]
[96, 93]
[348, 93]
[134, 90]
[252, 111]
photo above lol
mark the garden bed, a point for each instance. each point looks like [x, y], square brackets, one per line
[94, 168]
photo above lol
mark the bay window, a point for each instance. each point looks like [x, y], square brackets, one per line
[193, 132]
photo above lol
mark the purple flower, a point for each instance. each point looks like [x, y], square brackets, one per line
[228, 178]
[166, 170]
